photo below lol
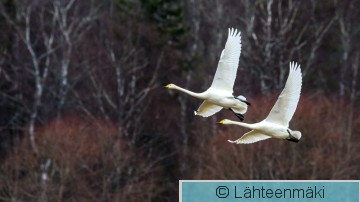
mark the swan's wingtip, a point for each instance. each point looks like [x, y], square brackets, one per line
[294, 65]
[234, 33]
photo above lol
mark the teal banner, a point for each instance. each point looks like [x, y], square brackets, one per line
[270, 191]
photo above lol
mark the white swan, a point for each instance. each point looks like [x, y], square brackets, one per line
[220, 93]
[277, 122]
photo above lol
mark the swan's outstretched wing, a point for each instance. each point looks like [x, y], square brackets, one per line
[207, 109]
[228, 64]
[285, 106]
[250, 137]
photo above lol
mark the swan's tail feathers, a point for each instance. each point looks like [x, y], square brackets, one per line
[237, 114]
[207, 109]
[250, 137]
[246, 102]
[243, 99]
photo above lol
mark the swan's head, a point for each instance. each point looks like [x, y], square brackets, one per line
[225, 121]
[294, 136]
[170, 86]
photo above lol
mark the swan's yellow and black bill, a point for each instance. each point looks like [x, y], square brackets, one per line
[222, 121]
[167, 86]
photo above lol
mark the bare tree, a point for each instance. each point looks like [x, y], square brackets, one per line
[46, 35]
[39, 67]
[49, 42]
[72, 28]
[277, 33]
[130, 98]
[348, 33]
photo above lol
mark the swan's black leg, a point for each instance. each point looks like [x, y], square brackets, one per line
[240, 116]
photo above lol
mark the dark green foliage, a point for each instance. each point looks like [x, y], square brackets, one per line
[169, 17]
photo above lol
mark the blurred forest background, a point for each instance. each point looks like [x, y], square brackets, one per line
[84, 116]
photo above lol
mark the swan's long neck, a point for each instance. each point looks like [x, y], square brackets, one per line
[197, 95]
[246, 125]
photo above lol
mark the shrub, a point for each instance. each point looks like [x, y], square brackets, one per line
[78, 160]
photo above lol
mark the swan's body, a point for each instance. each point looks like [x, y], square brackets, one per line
[220, 94]
[277, 122]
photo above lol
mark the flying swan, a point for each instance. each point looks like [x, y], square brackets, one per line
[277, 122]
[220, 94]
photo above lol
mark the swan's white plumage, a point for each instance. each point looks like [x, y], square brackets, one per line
[277, 122]
[225, 75]
[207, 109]
[250, 137]
[285, 106]
[220, 94]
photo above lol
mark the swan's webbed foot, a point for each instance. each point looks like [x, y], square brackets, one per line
[291, 138]
[240, 116]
